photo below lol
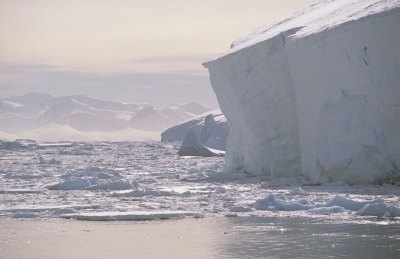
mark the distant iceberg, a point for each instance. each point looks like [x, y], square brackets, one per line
[204, 135]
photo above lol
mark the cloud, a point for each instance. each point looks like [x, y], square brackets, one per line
[35, 73]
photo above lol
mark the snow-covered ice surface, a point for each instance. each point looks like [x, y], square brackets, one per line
[316, 94]
[148, 180]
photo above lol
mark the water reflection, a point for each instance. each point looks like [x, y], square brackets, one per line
[251, 237]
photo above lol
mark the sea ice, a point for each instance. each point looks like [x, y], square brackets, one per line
[94, 178]
[172, 183]
[338, 204]
[131, 215]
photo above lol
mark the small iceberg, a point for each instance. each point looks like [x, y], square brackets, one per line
[192, 146]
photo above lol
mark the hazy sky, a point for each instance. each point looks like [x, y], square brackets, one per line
[126, 50]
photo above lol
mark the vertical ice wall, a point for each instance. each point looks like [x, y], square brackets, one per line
[323, 102]
[258, 99]
[348, 99]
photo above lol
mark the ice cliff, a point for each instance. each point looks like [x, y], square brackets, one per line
[317, 94]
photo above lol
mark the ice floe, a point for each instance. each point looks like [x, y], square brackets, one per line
[131, 215]
[94, 178]
[338, 204]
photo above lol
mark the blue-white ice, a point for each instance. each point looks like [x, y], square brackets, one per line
[316, 94]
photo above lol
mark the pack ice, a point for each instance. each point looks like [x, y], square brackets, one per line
[317, 94]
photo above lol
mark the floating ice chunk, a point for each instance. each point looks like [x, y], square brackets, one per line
[71, 184]
[327, 210]
[297, 191]
[131, 215]
[62, 211]
[273, 202]
[55, 144]
[10, 145]
[115, 185]
[25, 215]
[379, 210]
[33, 208]
[231, 215]
[394, 211]
[336, 205]
[240, 208]
[376, 209]
[94, 178]
[349, 204]
[101, 173]
[19, 191]
[146, 192]
[220, 189]
[90, 184]
[52, 161]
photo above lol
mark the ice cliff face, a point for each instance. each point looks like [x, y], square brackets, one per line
[317, 94]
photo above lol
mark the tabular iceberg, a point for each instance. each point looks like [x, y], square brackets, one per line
[317, 94]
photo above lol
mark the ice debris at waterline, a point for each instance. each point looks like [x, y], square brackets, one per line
[316, 94]
[336, 205]
[94, 178]
[131, 215]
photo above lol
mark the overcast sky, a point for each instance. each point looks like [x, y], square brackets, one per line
[125, 50]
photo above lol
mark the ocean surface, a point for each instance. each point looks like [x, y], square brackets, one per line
[243, 216]
[209, 237]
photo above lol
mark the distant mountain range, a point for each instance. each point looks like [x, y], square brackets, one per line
[46, 117]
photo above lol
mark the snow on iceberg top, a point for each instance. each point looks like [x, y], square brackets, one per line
[316, 18]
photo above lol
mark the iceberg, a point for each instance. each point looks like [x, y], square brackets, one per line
[203, 135]
[191, 146]
[211, 127]
[316, 95]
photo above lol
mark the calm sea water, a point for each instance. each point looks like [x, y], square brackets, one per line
[309, 238]
[215, 237]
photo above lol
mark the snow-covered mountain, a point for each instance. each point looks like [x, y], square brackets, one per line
[317, 94]
[43, 116]
[148, 118]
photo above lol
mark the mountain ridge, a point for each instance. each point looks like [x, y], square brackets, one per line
[39, 112]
